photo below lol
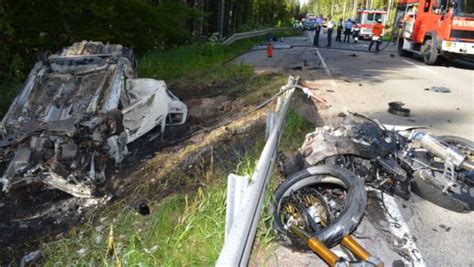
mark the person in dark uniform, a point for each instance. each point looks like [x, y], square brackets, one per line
[347, 30]
[340, 25]
[331, 24]
[317, 30]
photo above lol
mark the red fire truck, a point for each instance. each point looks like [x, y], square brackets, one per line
[435, 28]
[367, 18]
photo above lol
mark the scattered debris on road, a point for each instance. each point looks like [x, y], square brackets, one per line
[299, 67]
[396, 108]
[439, 89]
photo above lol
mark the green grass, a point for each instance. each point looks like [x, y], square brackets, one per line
[175, 63]
[295, 131]
[293, 136]
[181, 230]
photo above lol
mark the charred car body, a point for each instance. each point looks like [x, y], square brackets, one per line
[76, 112]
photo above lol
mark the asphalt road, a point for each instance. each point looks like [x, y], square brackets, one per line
[355, 80]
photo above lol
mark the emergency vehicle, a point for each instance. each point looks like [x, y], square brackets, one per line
[367, 19]
[435, 29]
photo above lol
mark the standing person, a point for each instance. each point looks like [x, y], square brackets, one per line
[377, 32]
[340, 25]
[331, 24]
[347, 31]
[317, 30]
[356, 32]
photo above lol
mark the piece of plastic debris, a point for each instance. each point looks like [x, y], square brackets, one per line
[396, 108]
[30, 257]
[440, 89]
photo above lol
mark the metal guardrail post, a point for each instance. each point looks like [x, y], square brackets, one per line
[241, 222]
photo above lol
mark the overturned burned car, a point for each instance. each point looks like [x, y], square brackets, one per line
[75, 115]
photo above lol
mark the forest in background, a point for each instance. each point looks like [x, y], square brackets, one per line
[28, 27]
[346, 8]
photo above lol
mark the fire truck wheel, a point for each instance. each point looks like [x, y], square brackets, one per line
[402, 52]
[430, 53]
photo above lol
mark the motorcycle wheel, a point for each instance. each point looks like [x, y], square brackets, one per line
[310, 179]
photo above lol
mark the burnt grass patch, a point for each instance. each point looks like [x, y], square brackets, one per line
[156, 167]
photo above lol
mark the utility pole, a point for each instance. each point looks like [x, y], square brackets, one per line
[221, 19]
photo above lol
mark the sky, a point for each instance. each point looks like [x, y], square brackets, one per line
[302, 2]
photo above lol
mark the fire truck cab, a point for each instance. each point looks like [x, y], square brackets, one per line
[367, 19]
[435, 28]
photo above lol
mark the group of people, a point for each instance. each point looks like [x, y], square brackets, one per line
[349, 28]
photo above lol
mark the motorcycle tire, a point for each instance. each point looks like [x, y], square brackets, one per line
[344, 224]
[460, 200]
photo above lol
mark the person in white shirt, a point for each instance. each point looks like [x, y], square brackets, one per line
[331, 24]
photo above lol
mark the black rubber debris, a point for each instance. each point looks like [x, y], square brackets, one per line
[296, 67]
[143, 208]
[396, 108]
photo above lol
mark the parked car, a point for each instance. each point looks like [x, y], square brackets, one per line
[308, 24]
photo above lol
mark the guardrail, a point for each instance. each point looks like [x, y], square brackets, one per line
[245, 197]
[243, 35]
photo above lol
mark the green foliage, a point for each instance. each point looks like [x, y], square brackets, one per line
[174, 63]
[295, 131]
[181, 230]
[28, 27]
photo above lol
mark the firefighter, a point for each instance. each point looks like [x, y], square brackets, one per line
[377, 32]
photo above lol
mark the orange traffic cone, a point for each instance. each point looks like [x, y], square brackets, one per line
[269, 49]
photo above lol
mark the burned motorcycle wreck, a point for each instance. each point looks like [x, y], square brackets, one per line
[75, 115]
[326, 197]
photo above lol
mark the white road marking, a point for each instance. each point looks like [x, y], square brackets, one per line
[420, 67]
[328, 72]
[402, 232]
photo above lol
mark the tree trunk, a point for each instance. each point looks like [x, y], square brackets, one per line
[332, 8]
[390, 3]
[221, 18]
[344, 10]
[354, 11]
